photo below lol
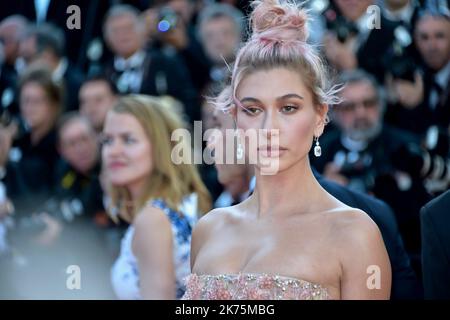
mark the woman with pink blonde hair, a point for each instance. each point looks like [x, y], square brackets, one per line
[290, 239]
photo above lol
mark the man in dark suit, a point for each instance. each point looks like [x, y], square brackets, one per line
[136, 69]
[435, 220]
[356, 36]
[432, 95]
[46, 44]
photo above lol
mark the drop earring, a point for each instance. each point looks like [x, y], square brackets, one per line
[317, 148]
[239, 149]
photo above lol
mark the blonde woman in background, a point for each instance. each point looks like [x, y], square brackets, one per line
[158, 198]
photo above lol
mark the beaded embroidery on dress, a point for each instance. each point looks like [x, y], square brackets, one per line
[251, 286]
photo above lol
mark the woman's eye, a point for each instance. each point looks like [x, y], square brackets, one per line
[105, 141]
[252, 110]
[129, 140]
[289, 109]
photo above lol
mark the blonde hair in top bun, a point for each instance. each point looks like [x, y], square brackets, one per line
[279, 34]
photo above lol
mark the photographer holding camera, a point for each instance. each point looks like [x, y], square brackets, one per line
[170, 25]
[141, 68]
[360, 148]
[356, 36]
[423, 103]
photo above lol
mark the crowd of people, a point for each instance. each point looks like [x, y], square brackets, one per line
[87, 175]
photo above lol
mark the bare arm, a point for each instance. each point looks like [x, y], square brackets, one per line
[152, 246]
[366, 270]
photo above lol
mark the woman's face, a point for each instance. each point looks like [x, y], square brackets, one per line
[35, 106]
[126, 151]
[278, 101]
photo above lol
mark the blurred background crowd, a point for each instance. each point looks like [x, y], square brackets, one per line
[389, 137]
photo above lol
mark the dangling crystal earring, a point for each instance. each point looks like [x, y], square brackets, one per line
[239, 149]
[317, 148]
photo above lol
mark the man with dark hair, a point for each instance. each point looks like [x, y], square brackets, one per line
[78, 174]
[45, 44]
[419, 108]
[97, 96]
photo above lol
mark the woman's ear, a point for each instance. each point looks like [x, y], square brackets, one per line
[322, 118]
[232, 112]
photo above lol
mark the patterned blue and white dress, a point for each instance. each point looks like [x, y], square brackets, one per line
[125, 273]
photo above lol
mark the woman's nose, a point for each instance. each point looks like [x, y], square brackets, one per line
[270, 128]
[114, 148]
[270, 121]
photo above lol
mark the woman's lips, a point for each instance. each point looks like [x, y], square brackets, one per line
[271, 151]
[116, 165]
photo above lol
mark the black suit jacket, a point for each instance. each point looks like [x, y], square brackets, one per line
[376, 46]
[435, 218]
[73, 79]
[420, 118]
[404, 281]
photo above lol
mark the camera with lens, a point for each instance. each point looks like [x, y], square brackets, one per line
[430, 164]
[401, 66]
[398, 59]
[167, 19]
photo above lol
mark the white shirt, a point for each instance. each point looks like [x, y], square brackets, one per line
[131, 78]
[58, 73]
[441, 79]
[405, 14]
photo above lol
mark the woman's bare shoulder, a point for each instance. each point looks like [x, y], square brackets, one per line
[353, 227]
[151, 228]
[212, 223]
[217, 218]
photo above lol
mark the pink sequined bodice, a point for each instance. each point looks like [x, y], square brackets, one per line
[245, 286]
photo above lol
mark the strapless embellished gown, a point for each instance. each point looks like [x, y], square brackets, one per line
[247, 286]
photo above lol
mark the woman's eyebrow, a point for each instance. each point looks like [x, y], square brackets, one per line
[125, 133]
[249, 99]
[290, 95]
[286, 96]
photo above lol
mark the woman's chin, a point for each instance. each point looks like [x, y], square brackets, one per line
[118, 183]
